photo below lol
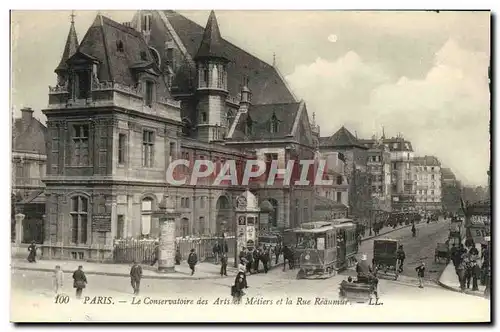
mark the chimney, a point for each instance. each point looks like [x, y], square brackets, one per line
[26, 117]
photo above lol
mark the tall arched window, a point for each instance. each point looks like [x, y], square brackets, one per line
[201, 226]
[79, 219]
[215, 77]
[229, 117]
[146, 211]
[184, 227]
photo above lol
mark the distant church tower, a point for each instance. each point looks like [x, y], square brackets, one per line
[211, 66]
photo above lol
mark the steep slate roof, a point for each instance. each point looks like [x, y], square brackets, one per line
[211, 45]
[101, 42]
[264, 81]
[342, 138]
[69, 48]
[261, 116]
[31, 139]
[427, 161]
[447, 174]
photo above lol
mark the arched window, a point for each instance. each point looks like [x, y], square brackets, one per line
[184, 227]
[146, 211]
[201, 226]
[215, 77]
[79, 219]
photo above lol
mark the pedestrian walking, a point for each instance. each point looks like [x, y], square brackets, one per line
[420, 274]
[256, 259]
[135, 277]
[79, 281]
[476, 274]
[32, 252]
[192, 260]
[400, 254]
[359, 239]
[265, 257]
[58, 279]
[216, 251]
[156, 253]
[460, 269]
[249, 260]
[223, 264]
[277, 253]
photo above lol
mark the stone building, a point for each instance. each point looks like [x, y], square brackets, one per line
[428, 193]
[355, 184]
[402, 183]
[28, 169]
[133, 98]
[379, 168]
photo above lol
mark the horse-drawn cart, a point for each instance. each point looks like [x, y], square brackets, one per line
[442, 252]
[385, 260]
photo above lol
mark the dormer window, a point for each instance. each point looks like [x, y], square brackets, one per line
[274, 124]
[148, 96]
[81, 86]
[119, 46]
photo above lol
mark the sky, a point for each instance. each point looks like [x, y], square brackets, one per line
[421, 74]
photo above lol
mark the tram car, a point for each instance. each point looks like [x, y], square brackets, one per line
[324, 248]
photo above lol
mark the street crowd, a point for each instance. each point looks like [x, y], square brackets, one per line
[471, 265]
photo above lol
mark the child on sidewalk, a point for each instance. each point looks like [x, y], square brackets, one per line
[58, 279]
[420, 273]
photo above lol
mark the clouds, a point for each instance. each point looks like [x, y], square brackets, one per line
[445, 113]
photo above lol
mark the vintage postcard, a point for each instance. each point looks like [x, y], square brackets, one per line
[300, 166]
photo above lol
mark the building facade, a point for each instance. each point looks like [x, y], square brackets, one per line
[353, 154]
[428, 192]
[379, 168]
[28, 169]
[402, 183]
[133, 98]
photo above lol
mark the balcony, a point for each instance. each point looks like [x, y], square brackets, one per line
[109, 94]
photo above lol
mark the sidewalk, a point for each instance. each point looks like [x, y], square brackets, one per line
[204, 270]
[386, 231]
[449, 280]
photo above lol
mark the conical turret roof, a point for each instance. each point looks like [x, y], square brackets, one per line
[69, 49]
[211, 45]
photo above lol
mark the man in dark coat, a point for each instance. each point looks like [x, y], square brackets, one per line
[277, 253]
[216, 251]
[400, 254]
[256, 259]
[249, 259]
[192, 260]
[223, 264]
[135, 277]
[156, 253]
[79, 281]
[32, 252]
[265, 257]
